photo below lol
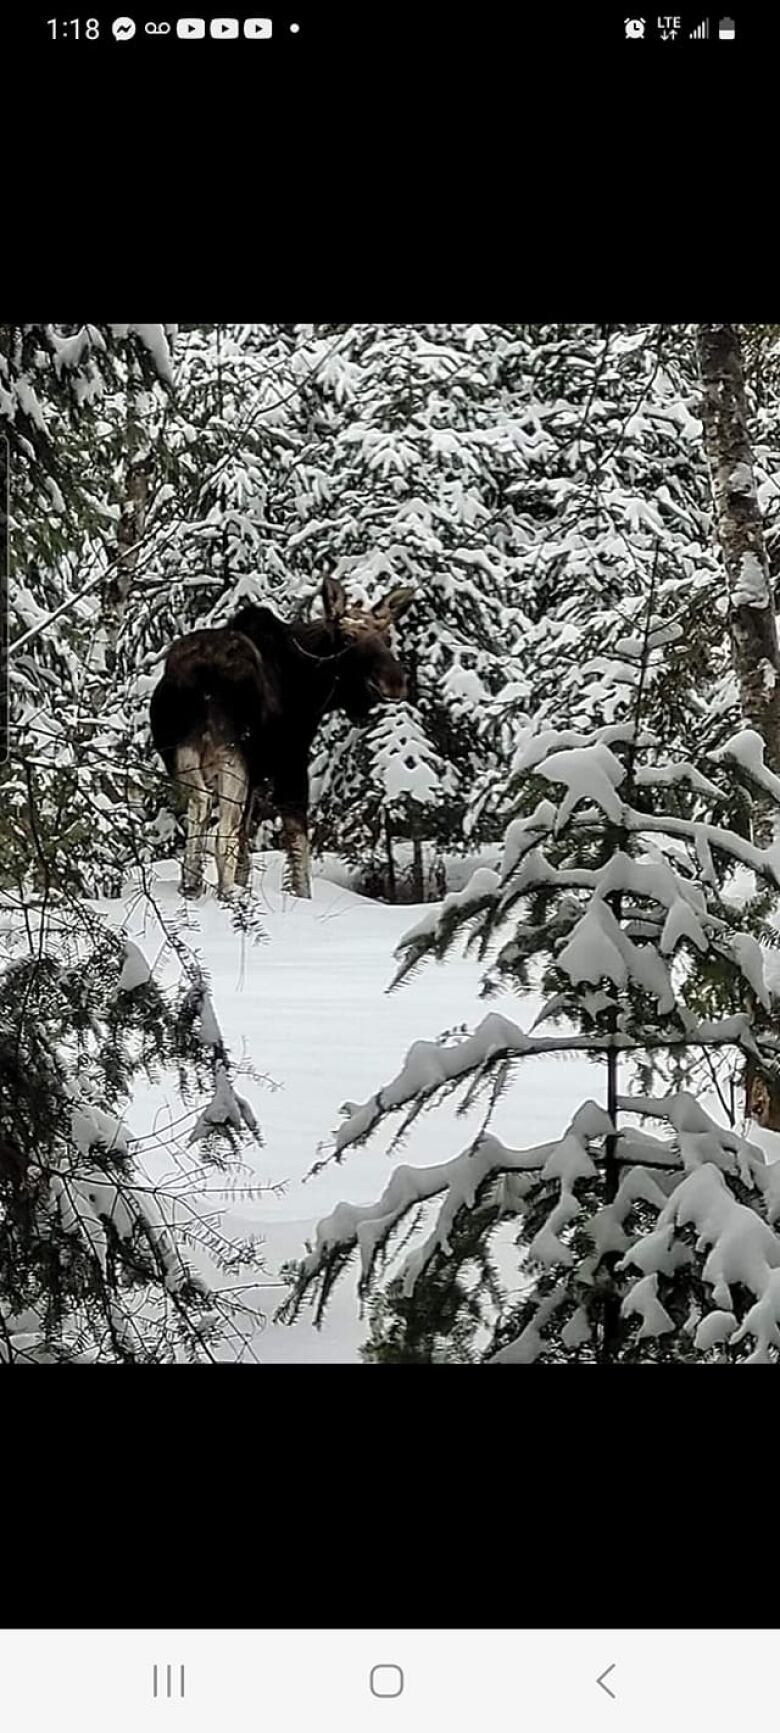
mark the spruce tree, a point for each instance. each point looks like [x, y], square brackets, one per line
[416, 453]
[634, 1245]
[96, 1261]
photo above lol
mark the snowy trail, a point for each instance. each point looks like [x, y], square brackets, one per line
[309, 1008]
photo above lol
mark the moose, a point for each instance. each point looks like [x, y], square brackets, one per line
[238, 707]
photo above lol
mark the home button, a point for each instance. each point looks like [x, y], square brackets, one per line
[386, 1681]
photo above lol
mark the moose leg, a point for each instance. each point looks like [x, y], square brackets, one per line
[296, 842]
[243, 862]
[244, 839]
[291, 789]
[232, 792]
[190, 775]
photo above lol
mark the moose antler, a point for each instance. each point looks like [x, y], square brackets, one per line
[354, 617]
[387, 611]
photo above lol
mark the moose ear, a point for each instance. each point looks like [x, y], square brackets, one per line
[396, 602]
[334, 600]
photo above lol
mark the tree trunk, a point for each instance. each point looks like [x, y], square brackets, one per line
[418, 874]
[752, 622]
[762, 1096]
[751, 603]
[391, 880]
[611, 1315]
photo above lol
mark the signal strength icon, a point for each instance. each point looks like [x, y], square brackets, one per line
[701, 32]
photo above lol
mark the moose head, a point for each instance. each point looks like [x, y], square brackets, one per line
[370, 673]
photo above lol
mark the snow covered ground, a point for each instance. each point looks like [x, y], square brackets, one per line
[309, 1008]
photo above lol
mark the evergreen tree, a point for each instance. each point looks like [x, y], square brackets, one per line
[634, 1246]
[619, 497]
[96, 1263]
[93, 1259]
[65, 408]
[414, 463]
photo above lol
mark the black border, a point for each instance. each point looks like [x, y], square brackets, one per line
[314, 1496]
[512, 158]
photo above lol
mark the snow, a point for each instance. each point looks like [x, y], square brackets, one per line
[70, 351]
[750, 958]
[643, 1299]
[717, 1327]
[599, 948]
[464, 683]
[224, 1108]
[747, 749]
[740, 480]
[534, 745]
[92, 1125]
[666, 775]
[577, 1331]
[135, 969]
[743, 1249]
[751, 589]
[588, 773]
[482, 883]
[591, 953]
[681, 923]
[310, 1010]
[208, 1027]
[155, 340]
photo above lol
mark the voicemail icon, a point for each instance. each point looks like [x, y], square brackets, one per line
[258, 29]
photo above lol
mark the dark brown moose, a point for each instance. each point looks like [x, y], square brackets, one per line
[238, 707]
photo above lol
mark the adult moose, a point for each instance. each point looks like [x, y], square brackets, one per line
[239, 705]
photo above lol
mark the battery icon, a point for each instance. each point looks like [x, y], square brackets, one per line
[726, 30]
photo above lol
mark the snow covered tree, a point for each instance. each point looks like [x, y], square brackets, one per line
[63, 404]
[634, 1245]
[96, 1262]
[408, 484]
[618, 488]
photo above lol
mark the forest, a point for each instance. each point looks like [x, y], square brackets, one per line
[478, 1060]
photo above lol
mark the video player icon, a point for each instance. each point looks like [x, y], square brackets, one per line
[190, 28]
[224, 29]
